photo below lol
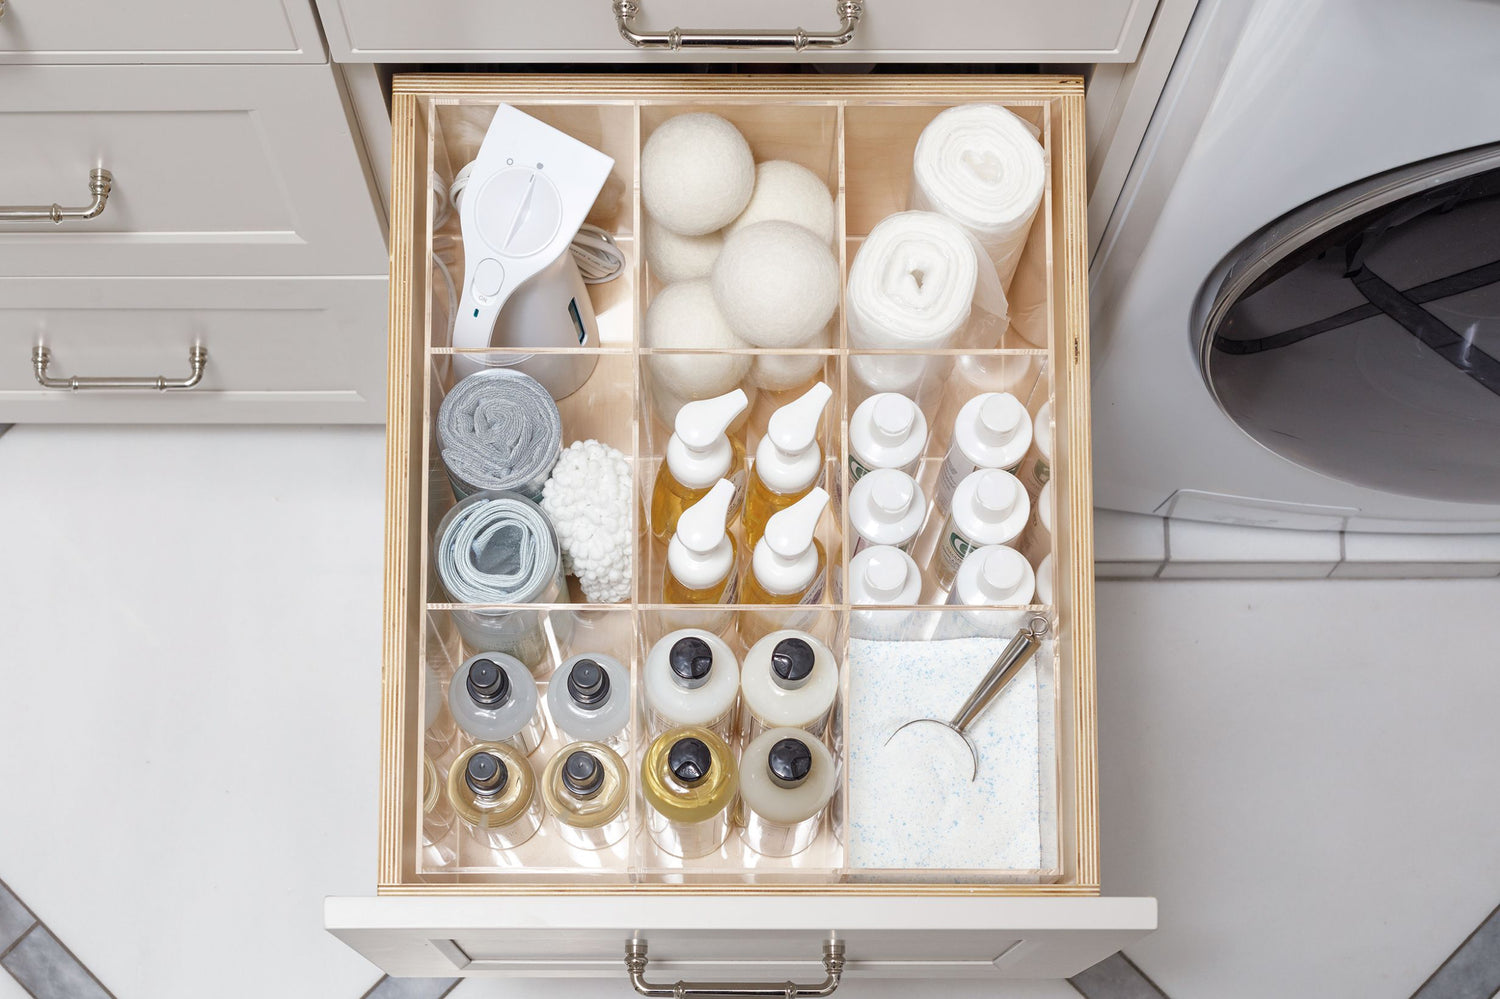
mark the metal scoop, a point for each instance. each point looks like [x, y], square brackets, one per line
[1015, 655]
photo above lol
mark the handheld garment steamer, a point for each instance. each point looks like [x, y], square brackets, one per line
[527, 193]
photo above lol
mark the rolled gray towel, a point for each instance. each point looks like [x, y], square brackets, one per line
[498, 549]
[499, 429]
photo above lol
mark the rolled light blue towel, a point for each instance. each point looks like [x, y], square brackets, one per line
[499, 429]
[498, 549]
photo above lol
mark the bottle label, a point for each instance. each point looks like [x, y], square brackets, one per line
[955, 547]
[738, 480]
[857, 470]
[955, 467]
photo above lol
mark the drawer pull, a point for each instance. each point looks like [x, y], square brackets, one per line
[833, 964]
[849, 12]
[99, 185]
[197, 358]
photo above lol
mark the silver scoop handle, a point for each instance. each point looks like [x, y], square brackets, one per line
[1015, 655]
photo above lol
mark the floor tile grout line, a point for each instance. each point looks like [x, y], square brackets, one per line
[35, 922]
[1453, 955]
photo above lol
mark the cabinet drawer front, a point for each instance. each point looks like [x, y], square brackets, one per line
[585, 30]
[217, 170]
[709, 937]
[159, 31]
[279, 350]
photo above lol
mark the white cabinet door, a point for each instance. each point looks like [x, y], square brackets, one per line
[739, 937]
[585, 30]
[217, 170]
[280, 350]
[88, 31]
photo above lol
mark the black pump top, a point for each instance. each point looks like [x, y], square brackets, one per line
[691, 660]
[588, 683]
[792, 663]
[690, 760]
[582, 774]
[790, 761]
[488, 684]
[486, 774]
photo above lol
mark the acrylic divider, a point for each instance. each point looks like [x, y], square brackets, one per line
[455, 128]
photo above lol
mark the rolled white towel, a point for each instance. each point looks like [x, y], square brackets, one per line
[983, 167]
[911, 286]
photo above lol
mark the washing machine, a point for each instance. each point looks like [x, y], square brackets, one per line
[1296, 299]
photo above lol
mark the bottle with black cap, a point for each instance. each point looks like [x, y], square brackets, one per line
[789, 680]
[786, 781]
[492, 790]
[692, 678]
[493, 698]
[586, 789]
[589, 697]
[689, 781]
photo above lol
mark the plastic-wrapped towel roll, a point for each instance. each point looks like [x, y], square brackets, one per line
[983, 167]
[499, 430]
[500, 548]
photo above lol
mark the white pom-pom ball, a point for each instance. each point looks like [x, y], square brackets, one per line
[779, 372]
[684, 316]
[697, 173]
[789, 192]
[675, 258]
[776, 283]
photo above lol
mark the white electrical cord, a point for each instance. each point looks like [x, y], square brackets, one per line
[598, 256]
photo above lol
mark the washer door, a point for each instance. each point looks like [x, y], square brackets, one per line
[1359, 336]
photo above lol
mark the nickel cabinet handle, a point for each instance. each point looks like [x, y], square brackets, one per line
[197, 359]
[100, 182]
[848, 11]
[833, 965]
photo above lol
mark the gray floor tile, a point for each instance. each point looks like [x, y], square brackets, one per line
[412, 988]
[48, 971]
[14, 919]
[1472, 971]
[1115, 977]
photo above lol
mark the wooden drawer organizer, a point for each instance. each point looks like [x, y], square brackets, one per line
[859, 133]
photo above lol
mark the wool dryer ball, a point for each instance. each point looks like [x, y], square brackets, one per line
[684, 316]
[679, 258]
[789, 192]
[776, 283]
[779, 372]
[697, 173]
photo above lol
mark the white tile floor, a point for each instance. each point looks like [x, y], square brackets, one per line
[1304, 773]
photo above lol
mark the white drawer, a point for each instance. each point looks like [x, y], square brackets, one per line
[585, 30]
[217, 170]
[66, 31]
[280, 350]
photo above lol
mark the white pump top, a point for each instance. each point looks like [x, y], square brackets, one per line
[700, 554]
[994, 576]
[698, 452]
[788, 458]
[886, 507]
[786, 559]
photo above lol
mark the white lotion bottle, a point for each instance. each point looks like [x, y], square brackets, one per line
[887, 430]
[989, 508]
[1044, 581]
[493, 698]
[992, 430]
[789, 679]
[589, 697]
[882, 576]
[787, 779]
[692, 678]
[1036, 470]
[1037, 542]
[886, 507]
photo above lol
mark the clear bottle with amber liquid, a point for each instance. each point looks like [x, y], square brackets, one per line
[786, 566]
[788, 460]
[699, 454]
[703, 562]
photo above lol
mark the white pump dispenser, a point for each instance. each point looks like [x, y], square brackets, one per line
[701, 555]
[788, 560]
[698, 452]
[788, 458]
